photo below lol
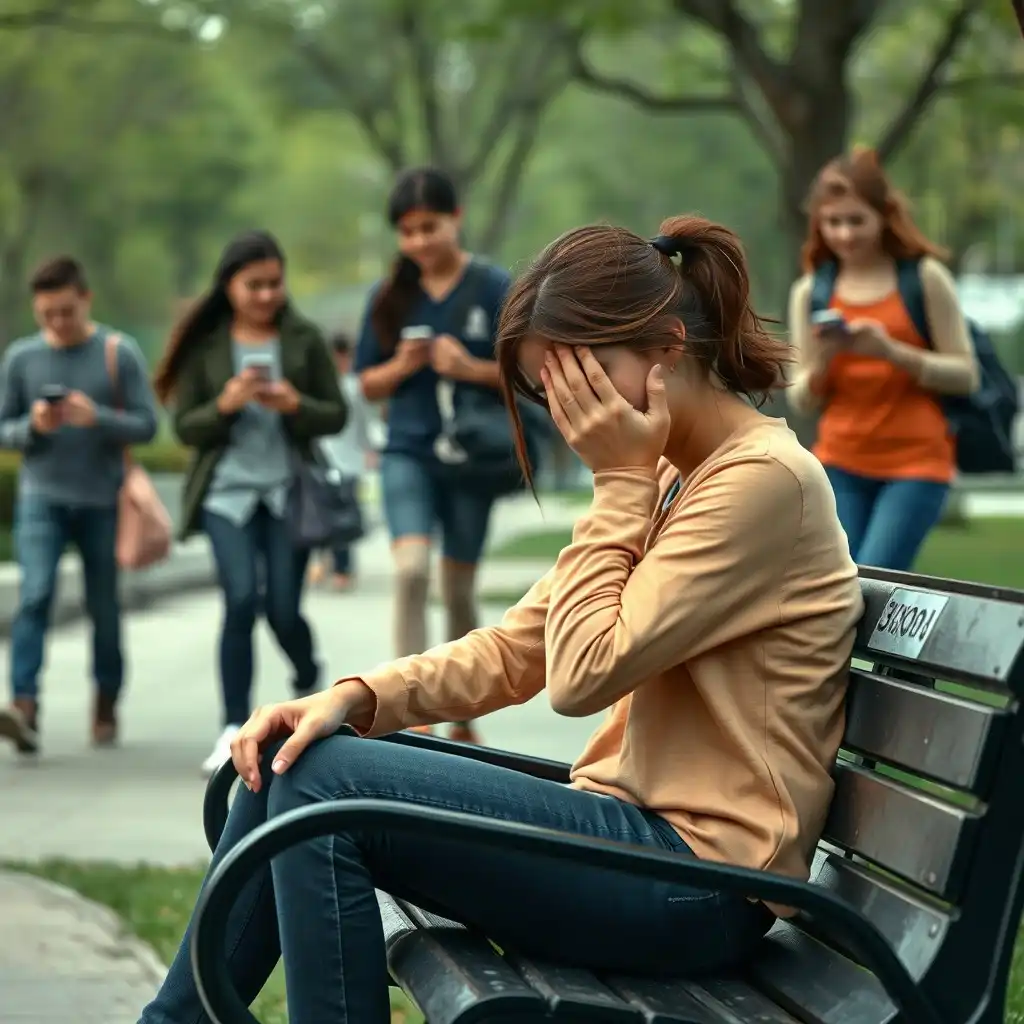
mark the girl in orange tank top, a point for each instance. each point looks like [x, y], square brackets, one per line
[882, 435]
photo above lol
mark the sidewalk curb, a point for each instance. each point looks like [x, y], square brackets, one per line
[128, 945]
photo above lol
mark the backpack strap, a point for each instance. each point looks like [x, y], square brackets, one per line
[110, 358]
[908, 281]
[823, 284]
[110, 343]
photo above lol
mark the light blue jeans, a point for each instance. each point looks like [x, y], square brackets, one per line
[418, 503]
[42, 530]
[886, 521]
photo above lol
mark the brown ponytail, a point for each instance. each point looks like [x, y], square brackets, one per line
[723, 331]
[602, 285]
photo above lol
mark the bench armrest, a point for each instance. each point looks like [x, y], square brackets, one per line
[224, 1006]
[538, 767]
[216, 800]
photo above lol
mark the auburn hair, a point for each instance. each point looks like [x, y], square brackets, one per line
[861, 175]
[602, 284]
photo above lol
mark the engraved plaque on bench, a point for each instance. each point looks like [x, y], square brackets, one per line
[906, 621]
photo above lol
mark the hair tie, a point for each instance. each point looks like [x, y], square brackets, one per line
[667, 245]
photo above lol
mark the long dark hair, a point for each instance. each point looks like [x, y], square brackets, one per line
[421, 188]
[603, 284]
[213, 307]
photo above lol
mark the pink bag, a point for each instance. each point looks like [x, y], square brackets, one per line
[143, 523]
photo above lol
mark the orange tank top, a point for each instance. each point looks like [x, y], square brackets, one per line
[877, 421]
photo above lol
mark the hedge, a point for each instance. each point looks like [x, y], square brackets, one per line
[160, 457]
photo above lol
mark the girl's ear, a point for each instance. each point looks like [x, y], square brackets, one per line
[675, 351]
[671, 357]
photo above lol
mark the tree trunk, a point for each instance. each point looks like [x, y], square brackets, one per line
[817, 127]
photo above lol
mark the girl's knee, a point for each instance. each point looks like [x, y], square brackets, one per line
[326, 770]
[240, 606]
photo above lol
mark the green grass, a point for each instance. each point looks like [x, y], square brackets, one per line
[983, 550]
[155, 904]
[544, 545]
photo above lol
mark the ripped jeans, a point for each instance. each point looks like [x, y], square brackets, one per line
[316, 905]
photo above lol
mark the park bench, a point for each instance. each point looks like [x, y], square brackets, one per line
[915, 896]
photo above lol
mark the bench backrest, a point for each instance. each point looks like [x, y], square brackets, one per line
[926, 830]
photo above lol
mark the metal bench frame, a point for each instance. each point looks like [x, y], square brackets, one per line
[965, 980]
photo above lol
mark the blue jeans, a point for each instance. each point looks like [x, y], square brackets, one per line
[42, 530]
[315, 906]
[886, 521]
[259, 569]
[417, 503]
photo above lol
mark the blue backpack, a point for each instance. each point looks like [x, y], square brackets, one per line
[983, 422]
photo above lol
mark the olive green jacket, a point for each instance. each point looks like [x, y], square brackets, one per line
[305, 363]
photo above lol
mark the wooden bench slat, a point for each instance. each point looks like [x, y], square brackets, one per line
[969, 638]
[666, 1001]
[732, 999]
[395, 921]
[815, 983]
[914, 930]
[572, 993]
[448, 971]
[924, 731]
[903, 830]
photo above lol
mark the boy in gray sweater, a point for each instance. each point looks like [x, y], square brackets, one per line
[59, 409]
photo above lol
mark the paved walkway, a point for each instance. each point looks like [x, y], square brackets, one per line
[62, 959]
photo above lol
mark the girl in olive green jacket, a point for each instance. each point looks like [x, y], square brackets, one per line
[253, 385]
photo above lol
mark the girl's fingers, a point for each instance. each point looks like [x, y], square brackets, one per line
[596, 377]
[575, 378]
[557, 383]
[558, 416]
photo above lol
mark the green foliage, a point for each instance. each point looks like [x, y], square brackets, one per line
[166, 127]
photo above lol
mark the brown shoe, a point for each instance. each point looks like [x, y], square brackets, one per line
[104, 721]
[20, 724]
[463, 732]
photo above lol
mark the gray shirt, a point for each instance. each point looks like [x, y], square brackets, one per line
[256, 467]
[75, 466]
[347, 451]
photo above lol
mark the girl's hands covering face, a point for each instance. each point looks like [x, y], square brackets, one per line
[595, 420]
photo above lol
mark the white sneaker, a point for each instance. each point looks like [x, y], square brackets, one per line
[221, 750]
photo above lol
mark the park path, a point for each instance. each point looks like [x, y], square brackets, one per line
[142, 801]
[65, 959]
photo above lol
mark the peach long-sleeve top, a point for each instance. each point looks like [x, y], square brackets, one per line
[716, 632]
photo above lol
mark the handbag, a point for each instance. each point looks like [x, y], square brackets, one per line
[323, 508]
[144, 528]
[475, 448]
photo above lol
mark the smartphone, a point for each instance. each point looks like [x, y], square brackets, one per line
[53, 393]
[262, 363]
[418, 333]
[830, 321]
